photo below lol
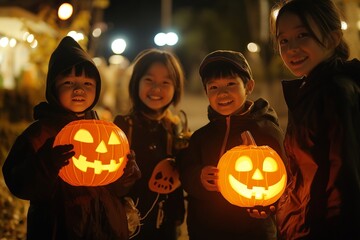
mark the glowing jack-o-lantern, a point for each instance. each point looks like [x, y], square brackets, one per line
[251, 175]
[101, 150]
[165, 177]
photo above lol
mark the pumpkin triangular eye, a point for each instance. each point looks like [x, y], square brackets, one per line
[270, 165]
[243, 164]
[114, 139]
[83, 135]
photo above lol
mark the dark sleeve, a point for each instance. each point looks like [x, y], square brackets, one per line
[269, 133]
[343, 128]
[176, 206]
[176, 203]
[25, 174]
[122, 186]
[131, 172]
[277, 142]
[123, 122]
[190, 166]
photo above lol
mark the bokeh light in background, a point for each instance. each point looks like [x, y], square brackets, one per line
[118, 46]
[344, 25]
[12, 42]
[78, 36]
[162, 39]
[96, 32]
[30, 38]
[65, 11]
[119, 60]
[253, 47]
[4, 42]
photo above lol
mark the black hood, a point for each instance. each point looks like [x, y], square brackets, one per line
[68, 54]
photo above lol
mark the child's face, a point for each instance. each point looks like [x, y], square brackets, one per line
[226, 95]
[156, 89]
[299, 50]
[76, 93]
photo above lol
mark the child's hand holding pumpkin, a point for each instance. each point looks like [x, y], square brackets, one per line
[261, 212]
[131, 171]
[55, 157]
[209, 177]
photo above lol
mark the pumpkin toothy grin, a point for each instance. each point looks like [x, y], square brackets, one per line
[81, 164]
[100, 148]
[259, 193]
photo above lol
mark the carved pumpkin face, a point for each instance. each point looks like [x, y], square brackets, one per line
[100, 152]
[251, 175]
[165, 177]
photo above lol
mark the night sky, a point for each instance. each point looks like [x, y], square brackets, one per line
[138, 21]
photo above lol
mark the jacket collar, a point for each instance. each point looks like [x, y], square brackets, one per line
[212, 114]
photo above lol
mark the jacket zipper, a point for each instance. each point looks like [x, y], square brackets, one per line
[226, 136]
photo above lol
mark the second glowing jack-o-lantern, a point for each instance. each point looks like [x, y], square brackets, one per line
[165, 177]
[101, 150]
[251, 175]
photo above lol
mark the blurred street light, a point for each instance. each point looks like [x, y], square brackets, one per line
[119, 60]
[253, 47]
[96, 32]
[65, 11]
[77, 36]
[118, 46]
[162, 39]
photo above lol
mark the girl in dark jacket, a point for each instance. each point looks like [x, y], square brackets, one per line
[227, 79]
[156, 85]
[59, 210]
[322, 141]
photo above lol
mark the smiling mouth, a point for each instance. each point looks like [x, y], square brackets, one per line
[299, 61]
[225, 103]
[156, 98]
[78, 99]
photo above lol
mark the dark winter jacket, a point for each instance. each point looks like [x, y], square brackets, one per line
[322, 143]
[153, 141]
[210, 215]
[58, 210]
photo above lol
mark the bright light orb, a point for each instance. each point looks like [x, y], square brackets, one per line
[118, 46]
[65, 11]
[172, 38]
[4, 41]
[77, 36]
[253, 47]
[12, 42]
[96, 32]
[344, 25]
[160, 39]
